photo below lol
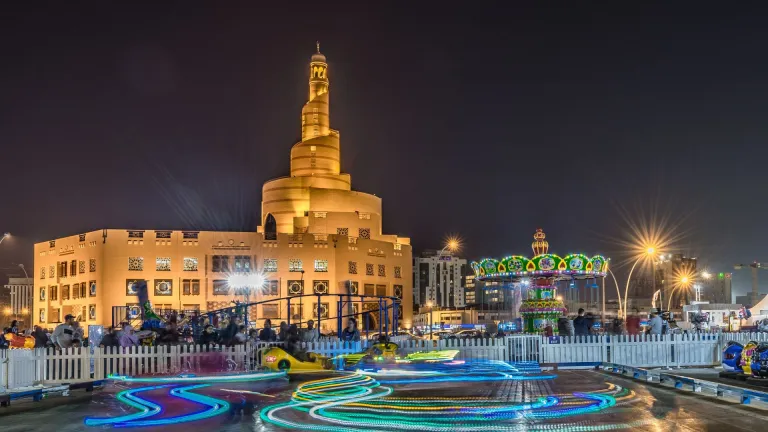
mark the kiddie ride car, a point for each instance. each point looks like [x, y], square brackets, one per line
[746, 362]
[276, 358]
[759, 365]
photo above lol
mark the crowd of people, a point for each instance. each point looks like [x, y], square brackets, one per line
[583, 324]
[203, 330]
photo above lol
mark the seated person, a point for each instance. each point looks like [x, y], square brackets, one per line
[293, 344]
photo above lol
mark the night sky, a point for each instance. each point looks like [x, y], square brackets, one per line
[484, 122]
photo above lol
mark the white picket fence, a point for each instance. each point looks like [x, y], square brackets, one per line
[703, 349]
[22, 368]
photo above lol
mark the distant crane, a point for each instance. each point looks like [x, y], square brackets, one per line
[755, 266]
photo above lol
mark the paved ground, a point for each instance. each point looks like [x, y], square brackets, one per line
[638, 406]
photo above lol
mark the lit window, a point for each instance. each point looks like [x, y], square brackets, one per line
[190, 264]
[294, 265]
[313, 148]
[270, 264]
[163, 264]
[242, 264]
[321, 215]
[321, 265]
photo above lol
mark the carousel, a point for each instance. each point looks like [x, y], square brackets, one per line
[539, 276]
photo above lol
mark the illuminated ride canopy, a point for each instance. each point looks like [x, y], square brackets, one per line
[541, 306]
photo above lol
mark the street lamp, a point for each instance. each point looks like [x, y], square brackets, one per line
[245, 283]
[5, 236]
[452, 244]
[684, 278]
[649, 252]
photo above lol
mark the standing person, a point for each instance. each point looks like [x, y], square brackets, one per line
[64, 334]
[267, 334]
[350, 333]
[580, 324]
[41, 339]
[590, 323]
[232, 330]
[79, 336]
[633, 324]
[14, 327]
[655, 324]
[311, 334]
[617, 326]
[109, 339]
[562, 327]
[282, 335]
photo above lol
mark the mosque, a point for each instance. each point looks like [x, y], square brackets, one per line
[317, 236]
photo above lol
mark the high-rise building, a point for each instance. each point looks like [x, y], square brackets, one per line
[717, 289]
[318, 236]
[438, 279]
[675, 274]
[469, 289]
[21, 290]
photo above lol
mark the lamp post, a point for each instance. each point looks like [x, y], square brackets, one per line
[649, 252]
[684, 282]
[618, 293]
[5, 236]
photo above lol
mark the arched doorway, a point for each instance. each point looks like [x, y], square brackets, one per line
[270, 228]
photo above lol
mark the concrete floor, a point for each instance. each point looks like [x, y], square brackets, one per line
[647, 408]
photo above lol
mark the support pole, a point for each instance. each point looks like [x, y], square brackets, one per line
[380, 307]
[395, 317]
[339, 308]
[289, 311]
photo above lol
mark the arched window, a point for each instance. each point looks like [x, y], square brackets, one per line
[270, 228]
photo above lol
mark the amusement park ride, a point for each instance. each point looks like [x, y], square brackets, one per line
[541, 306]
[383, 317]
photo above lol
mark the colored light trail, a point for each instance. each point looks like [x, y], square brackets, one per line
[367, 401]
[148, 409]
[360, 402]
[207, 379]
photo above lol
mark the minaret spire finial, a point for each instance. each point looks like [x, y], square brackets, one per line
[318, 45]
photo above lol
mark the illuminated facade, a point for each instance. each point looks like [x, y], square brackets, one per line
[317, 236]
